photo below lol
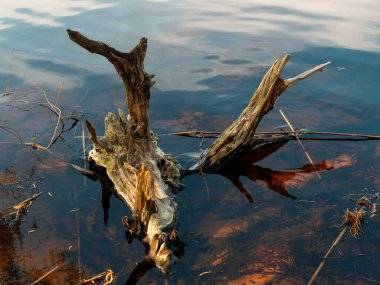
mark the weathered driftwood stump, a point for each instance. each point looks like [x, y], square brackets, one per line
[144, 177]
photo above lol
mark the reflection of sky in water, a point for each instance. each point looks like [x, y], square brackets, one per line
[219, 47]
[182, 34]
[43, 12]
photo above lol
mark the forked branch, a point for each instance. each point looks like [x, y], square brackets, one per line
[130, 67]
[239, 136]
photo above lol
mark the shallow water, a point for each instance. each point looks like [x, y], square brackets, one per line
[208, 58]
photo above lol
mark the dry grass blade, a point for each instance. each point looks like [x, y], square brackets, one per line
[55, 110]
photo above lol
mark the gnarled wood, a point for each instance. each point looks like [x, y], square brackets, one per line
[142, 174]
[130, 67]
[239, 136]
[140, 171]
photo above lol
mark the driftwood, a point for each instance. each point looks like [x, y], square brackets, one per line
[146, 178]
[239, 136]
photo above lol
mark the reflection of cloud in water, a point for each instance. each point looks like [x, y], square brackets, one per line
[44, 12]
[318, 22]
[187, 39]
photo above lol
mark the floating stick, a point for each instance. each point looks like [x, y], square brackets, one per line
[352, 221]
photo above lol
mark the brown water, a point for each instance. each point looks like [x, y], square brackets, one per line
[208, 58]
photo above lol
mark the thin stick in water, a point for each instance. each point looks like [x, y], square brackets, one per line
[352, 221]
[46, 275]
[327, 255]
[300, 143]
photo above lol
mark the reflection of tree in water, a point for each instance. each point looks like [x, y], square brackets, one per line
[20, 265]
[9, 270]
[17, 267]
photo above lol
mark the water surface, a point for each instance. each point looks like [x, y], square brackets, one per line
[208, 57]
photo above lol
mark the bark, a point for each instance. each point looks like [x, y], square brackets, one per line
[143, 176]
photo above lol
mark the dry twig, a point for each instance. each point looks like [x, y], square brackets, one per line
[18, 210]
[323, 259]
[107, 277]
[57, 111]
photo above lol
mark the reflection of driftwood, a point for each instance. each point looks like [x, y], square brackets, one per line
[245, 165]
[144, 176]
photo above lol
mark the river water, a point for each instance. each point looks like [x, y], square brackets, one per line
[208, 57]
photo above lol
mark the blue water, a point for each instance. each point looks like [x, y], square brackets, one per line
[208, 57]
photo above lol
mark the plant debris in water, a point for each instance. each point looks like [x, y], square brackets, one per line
[354, 220]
